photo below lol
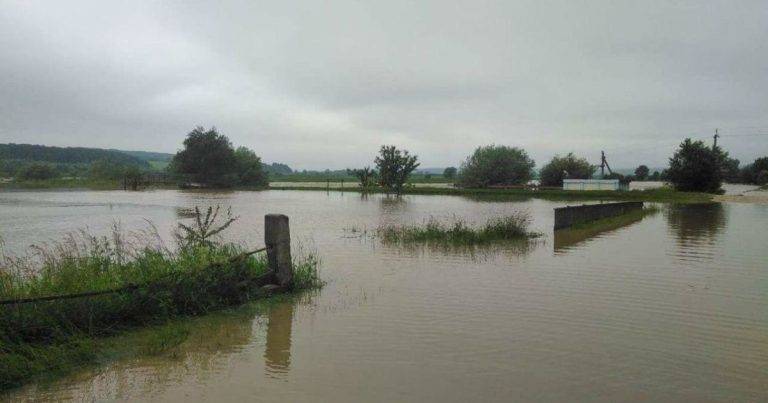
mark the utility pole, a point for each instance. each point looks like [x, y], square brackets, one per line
[602, 164]
[715, 137]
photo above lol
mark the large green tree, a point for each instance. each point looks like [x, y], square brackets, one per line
[496, 165]
[250, 170]
[567, 167]
[696, 168]
[394, 166]
[207, 158]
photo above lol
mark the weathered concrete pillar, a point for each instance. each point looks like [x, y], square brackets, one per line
[277, 238]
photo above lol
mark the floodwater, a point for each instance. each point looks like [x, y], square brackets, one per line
[671, 307]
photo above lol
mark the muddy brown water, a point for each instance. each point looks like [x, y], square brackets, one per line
[670, 307]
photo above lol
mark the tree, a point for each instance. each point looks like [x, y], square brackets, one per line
[695, 168]
[756, 172]
[250, 170]
[207, 158]
[394, 167]
[36, 171]
[366, 176]
[641, 173]
[496, 165]
[655, 176]
[450, 173]
[132, 176]
[568, 167]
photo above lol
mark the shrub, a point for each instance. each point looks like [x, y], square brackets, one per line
[568, 167]
[496, 165]
[366, 176]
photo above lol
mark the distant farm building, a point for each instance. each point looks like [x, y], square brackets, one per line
[591, 184]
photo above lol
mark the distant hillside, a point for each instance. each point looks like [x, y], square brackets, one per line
[66, 155]
[148, 155]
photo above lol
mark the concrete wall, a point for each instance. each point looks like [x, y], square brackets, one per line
[568, 216]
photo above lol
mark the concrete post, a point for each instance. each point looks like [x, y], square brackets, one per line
[277, 239]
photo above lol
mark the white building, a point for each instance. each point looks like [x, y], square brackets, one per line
[591, 184]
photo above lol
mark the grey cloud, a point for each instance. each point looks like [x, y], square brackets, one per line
[321, 85]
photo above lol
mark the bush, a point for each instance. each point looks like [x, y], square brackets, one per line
[695, 168]
[496, 165]
[568, 167]
[366, 176]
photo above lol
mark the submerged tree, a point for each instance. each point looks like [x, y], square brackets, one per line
[395, 166]
[567, 167]
[695, 168]
[496, 165]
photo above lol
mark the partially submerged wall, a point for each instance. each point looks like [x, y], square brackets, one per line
[569, 216]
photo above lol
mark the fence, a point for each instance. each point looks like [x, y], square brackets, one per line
[568, 216]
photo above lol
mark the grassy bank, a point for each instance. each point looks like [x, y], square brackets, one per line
[650, 195]
[156, 285]
[511, 227]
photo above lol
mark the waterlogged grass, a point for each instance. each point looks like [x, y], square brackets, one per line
[512, 227]
[59, 335]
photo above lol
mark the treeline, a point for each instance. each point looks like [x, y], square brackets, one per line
[66, 155]
[694, 167]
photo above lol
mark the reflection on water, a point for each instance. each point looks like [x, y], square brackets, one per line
[696, 223]
[568, 237]
[277, 353]
[670, 307]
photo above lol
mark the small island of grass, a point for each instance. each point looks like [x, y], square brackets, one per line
[511, 227]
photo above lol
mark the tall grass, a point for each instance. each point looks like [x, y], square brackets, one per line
[509, 227]
[157, 284]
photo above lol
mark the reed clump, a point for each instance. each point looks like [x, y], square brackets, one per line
[151, 285]
[510, 227]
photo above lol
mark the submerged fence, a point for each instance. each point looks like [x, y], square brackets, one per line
[569, 216]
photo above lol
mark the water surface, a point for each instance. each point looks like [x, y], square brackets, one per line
[670, 307]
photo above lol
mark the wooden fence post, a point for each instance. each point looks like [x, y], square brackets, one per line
[277, 238]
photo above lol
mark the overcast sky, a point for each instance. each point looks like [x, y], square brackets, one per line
[323, 84]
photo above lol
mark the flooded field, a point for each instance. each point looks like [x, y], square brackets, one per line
[669, 307]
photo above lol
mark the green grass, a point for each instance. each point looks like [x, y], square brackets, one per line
[512, 227]
[60, 335]
[650, 195]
